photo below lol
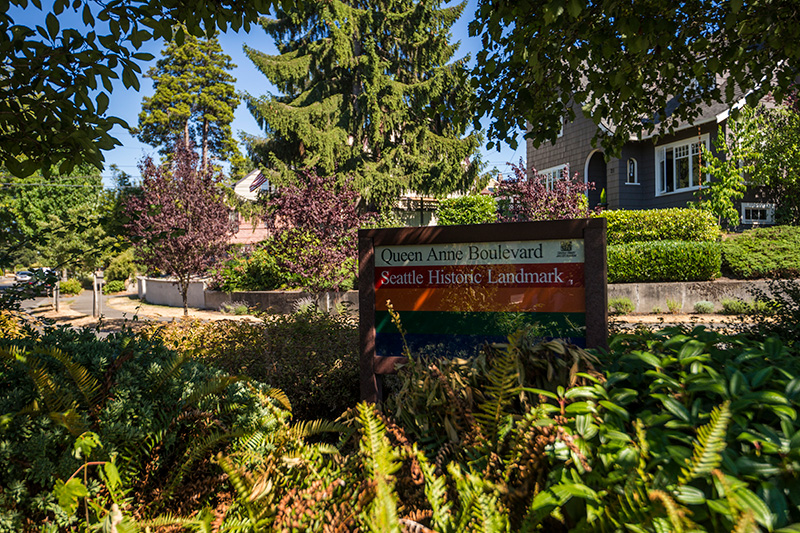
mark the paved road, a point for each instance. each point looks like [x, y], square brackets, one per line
[82, 303]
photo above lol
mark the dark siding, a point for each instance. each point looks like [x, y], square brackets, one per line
[572, 148]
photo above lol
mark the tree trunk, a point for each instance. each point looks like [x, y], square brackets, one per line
[186, 134]
[205, 144]
[183, 285]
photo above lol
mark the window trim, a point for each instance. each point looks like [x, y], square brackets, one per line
[635, 172]
[660, 156]
[553, 174]
[769, 207]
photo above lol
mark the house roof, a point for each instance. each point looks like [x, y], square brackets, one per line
[244, 188]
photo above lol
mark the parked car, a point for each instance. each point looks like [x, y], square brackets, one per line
[23, 276]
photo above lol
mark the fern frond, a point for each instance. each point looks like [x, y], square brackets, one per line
[436, 492]
[279, 396]
[240, 484]
[674, 512]
[54, 398]
[746, 523]
[503, 388]
[199, 449]
[707, 454]
[170, 368]
[381, 463]
[211, 387]
[309, 428]
[88, 386]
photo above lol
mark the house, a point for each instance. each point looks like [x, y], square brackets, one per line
[652, 171]
[248, 231]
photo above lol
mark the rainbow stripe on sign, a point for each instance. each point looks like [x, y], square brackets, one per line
[456, 297]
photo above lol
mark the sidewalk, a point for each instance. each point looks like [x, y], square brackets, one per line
[118, 311]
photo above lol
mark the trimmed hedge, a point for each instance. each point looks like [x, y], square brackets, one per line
[626, 226]
[472, 209]
[763, 253]
[664, 261]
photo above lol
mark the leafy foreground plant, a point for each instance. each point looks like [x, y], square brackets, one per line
[157, 417]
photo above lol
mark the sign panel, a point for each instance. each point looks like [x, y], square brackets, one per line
[456, 288]
[452, 298]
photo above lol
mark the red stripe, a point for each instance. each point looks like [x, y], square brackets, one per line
[495, 299]
[538, 275]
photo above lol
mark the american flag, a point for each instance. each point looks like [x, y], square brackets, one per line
[260, 180]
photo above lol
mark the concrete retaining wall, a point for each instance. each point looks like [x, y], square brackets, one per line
[282, 302]
[647, 296]
[164, 291]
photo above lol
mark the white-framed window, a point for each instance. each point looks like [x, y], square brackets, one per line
[553, 174]
[561, 131]
[633, 172]
[678, 166]
[758, 214]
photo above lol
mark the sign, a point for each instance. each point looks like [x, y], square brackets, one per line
[456, 288]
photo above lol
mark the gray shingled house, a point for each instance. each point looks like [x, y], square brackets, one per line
[651, 172]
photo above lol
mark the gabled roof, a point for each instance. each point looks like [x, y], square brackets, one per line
[249, 186]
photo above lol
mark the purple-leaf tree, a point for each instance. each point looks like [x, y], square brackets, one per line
[315, 230]
[521, 198]
[179, 223]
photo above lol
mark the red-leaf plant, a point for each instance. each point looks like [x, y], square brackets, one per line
[315, 226]
[179, 223]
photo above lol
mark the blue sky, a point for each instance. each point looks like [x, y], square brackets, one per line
[126, 104]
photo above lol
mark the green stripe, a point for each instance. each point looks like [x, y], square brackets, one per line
[485, 323]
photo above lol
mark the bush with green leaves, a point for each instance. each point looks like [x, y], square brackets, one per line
[113, 286]
[663, 261]
[122, 267]
[704, 307]
[470, 209]
[311, 355]
[763, 253]
[621, 306]
[70, 287]
[157, 414]
[676, 224]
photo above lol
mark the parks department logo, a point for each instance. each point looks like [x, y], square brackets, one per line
[567, 250]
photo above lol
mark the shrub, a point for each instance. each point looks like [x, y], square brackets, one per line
[704, 307]
[471, 209]
[161, 416]
[763, 253]
[735, 307]
[621, 306]
[656, 310]
[70, 287]
[311, 355]
[256, 271]
[122, 267]
[234, 308]
[627, 226]
[663, 261]
[114, 286]
[540, 197]
[674, 306]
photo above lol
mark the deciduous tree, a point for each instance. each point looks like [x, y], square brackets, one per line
[636, 66]
[316, 223]
[179, 222]
[57, 79]
[368, 89]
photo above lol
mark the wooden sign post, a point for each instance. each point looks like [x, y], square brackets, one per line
[456, 288]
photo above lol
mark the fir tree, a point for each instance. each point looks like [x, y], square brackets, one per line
[369, 89]
[194, 100]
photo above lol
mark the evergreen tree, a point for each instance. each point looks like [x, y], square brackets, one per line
[194, 100]
[369, 89]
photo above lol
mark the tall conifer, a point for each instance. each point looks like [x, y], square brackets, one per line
[369, 88]
[194, 100]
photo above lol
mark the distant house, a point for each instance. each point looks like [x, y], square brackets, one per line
[651, 172]
[249, 232]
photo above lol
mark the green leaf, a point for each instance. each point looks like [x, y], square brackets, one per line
[746, 500]
[52, 25]
[674, 407]
[69, 493]
[615, 409]
[574, 8]
[690, 350]
[690, 495]
[112, 475]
